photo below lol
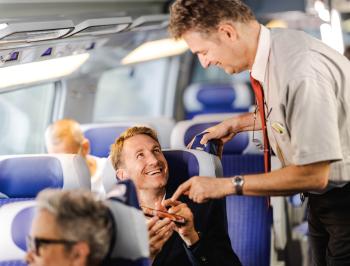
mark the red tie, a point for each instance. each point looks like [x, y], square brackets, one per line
[259, 96]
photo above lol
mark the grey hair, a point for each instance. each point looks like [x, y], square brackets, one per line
[80, 216]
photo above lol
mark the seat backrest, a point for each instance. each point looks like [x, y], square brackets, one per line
[131, 247]
[15, 223]
[249, 218]
[102, 135]
[184, 163]
[24, 176]
[184, 131]
[210, 98]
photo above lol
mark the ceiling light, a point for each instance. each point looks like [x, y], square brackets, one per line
[40, 71]
[155, 50]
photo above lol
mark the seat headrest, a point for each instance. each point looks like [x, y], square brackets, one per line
[216, 95]
[130, 231]
[15, 222]
[185, 131]
[101, 136]
[24, 176]
[185, 163]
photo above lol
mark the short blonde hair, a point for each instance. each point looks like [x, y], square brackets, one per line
[62, 129]
[117, 147]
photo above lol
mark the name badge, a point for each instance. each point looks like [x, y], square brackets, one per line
[278, 127]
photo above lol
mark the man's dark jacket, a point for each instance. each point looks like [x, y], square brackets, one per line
[214, 247]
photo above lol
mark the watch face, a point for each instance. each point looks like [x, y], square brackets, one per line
[238, 180]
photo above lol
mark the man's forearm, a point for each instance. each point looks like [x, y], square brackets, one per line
[243, 122]
[286, 181]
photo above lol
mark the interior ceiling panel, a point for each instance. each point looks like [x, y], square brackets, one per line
[261, 8]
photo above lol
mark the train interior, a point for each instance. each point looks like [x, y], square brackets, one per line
[111, 64]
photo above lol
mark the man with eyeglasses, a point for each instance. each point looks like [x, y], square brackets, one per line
[66, 136]
[302, 89]
[70, 228]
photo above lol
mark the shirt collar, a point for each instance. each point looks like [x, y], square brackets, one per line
[262, 55]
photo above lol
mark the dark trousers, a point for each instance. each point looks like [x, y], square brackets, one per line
[329, 227]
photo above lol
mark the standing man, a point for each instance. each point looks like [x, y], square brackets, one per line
[302, 89]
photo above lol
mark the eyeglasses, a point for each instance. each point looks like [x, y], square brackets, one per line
[34, 243]
[258, 143]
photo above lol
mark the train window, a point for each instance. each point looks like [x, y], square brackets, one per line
[136, 90]
[24, 115]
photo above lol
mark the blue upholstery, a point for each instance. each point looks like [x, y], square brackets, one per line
[101, 138]
[26, 176]
[21, 227]
[216, 96]
[15, 223]
[213, 98]
[23, 176]
[102, 135]
[182, 166]
[234, 146]
[249, 218]
[13, 263]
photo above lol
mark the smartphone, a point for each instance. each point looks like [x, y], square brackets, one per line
[177, 219]
[211, 147]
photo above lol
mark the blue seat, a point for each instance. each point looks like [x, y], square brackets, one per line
[24, 176]
[249, 218]
[211, 98]
[102, 135]
[15, 222]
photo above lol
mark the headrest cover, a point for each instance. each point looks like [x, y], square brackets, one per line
[234, 146]
[216, 95]
[131, 233]
[15, 222]
[212, 146]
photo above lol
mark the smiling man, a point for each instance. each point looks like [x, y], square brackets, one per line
[203, 239]
[303, 101]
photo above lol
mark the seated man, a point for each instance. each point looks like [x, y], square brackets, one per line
[66, 136]
[203, 239]
[70, 228]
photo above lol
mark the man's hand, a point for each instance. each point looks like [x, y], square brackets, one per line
[202, 188]
[159, 231]
[187, 231]
[220, 131]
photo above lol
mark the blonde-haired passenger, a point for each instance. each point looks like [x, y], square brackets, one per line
[66, 136]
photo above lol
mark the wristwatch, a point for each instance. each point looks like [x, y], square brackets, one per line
[238, 182]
